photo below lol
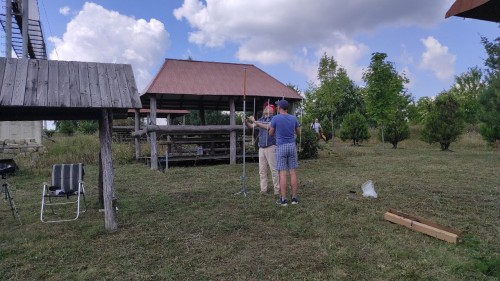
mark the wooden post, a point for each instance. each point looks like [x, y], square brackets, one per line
[105, 125]
[154, 151]
[137, 127]
[100, 184]
[232, 134]
[202, 117]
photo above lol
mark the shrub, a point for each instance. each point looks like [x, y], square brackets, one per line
[444, 123]
[88, 127]
[396, 130]
[308, 144]
[354, 127]
[49, 133]
[67, 127]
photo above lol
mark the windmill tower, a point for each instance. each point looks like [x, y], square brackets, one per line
[23, 39]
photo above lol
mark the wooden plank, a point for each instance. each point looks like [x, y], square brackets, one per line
[114, 89]
[83, 78]
[42, 86]
[123, 86]
[189, 129]
[3, 62]
[232, 135]
[53, 85]
[104, 86]
[95, 92]
[74, 85]
[31, 83]
[425, 221]
[422, 228]
[20, 82]
[154, 149]
[105, 125]
[8, 82]
[64, 98]
[132, 86]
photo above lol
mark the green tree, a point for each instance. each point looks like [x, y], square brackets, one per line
[489, 99]
[444, 122]
[385, 91]
[355, 128]
[336, 96]
[308, 144]
[466, 88]
[88, 127]
[418, 110]
[66, 127]
[397, 130]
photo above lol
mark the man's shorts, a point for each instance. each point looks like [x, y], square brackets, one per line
[286, 157]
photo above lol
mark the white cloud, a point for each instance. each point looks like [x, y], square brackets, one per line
[99, 35]
[65, 10]
[437, 59]
[279, 31]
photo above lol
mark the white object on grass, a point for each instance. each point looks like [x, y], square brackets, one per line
[368, 189]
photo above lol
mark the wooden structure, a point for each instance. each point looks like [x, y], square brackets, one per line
[201, 85]
[33, 89]
[422, 225]
[488, 10]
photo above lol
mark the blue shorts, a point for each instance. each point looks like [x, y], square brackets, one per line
[286, 157]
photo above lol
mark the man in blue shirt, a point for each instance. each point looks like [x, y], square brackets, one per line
[267, 148]
[285, 127]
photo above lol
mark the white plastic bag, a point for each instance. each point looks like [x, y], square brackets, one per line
[368, 189]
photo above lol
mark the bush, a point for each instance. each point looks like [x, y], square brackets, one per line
[490, 111]
[396, 131]
[354, 127]
[49, 133]
[67, 127]
[444, 123]
[88, 127]
[308, 144]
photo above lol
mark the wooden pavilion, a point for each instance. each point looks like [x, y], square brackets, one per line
[201, 85]
[487, 10]
[33, 89]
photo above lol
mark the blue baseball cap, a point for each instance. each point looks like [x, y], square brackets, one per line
[282, 103]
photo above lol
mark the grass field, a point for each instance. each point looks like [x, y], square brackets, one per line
[188, 224]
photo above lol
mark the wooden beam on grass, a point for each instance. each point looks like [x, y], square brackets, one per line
[423, 226]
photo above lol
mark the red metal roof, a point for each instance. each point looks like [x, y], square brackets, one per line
[187, 84]
[488, 10]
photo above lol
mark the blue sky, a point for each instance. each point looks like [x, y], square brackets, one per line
[285, 38]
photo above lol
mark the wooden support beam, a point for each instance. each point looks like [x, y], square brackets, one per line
[423, 225]
[188, 129]
[137, 127]
[105, 125]
[154, 149]
[232, 134]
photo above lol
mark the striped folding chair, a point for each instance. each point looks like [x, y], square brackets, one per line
[67, 184]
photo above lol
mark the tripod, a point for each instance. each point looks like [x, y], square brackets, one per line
[5, 189]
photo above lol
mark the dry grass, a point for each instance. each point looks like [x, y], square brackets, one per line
[188, 224]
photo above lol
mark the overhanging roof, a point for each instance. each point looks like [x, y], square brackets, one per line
[187, 84]
[33, 89]
[488, 10]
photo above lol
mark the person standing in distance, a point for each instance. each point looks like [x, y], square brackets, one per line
[285, 126]
[267, 148]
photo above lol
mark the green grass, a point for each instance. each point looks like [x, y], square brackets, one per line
[188, 224]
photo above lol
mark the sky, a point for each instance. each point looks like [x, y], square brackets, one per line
[284, 38]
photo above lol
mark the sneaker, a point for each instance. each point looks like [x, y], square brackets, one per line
[281, 201]
[295, 201]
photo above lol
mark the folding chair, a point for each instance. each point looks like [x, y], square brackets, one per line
[67, 182]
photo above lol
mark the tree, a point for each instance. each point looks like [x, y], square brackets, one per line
[444, 122]
[397, 130]
[467, 87]
[308, 145]
[418, 110]
[66, 127]
[385, 91]
[489, 99]
[354, 127]
[336, 95]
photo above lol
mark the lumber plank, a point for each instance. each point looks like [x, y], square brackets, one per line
[104, 86]
[95, 93]
[134, 93]
[31, 83]
[425, 221]
[123, 86]
[8, 82]
[53, 83]
[3, 61]
[83, 78]
[422, 228]
[20, 82]
[74, 84]
[114, 89]
[42, 83]
[64, 98]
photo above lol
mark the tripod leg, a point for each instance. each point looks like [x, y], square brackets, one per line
[13, 208]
